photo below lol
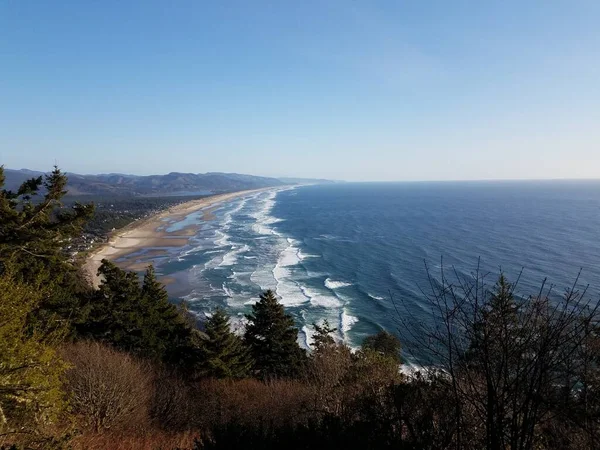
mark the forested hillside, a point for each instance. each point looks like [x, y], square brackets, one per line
[132, 185]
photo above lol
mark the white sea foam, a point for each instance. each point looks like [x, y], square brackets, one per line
[289, 290]
[290, 294]
[227, 291]
[262, 216]
[223, 238]
[332, 284]
[303, 256]
[231, 257]
[321, 300]
[376, 297]
[346, 322]
[228, 216]
[308, 336]
[264, 277]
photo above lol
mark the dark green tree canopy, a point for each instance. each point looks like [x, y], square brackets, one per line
[384, 343]
[36, 228]
[35, 233]
[272, 339]
[224, 354]
[496, 321]
[323, 335]
[139, 317]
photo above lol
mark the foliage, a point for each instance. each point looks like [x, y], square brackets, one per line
[139, 318]
[224, 355]
[323, 335]
[272, 339]
[35, 231]
[384, 343]
[30, 370]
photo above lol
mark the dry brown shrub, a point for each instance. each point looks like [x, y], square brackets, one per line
[173, 405]
[108, 389]
[150, 440]
[328, 370]
[251, 402]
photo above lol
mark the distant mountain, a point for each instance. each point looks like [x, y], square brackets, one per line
[133, 185]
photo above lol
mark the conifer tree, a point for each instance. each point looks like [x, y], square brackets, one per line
[384, 343]
[272, 339]
[167, 328]
[139, 319]
[225, 354]
[496, 322]
[323, 336]
[35, 230]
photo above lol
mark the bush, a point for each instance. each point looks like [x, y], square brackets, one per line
[108, 389]
[30, 370]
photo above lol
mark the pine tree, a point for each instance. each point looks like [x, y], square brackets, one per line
[384, 343]
[497, 321]
[35, 231]
[33, 234]
[224, 353]
[323, 336]
[272, 339]
[139, 319]
[166, 328]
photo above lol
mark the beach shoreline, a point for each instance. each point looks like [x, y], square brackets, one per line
[147, 233]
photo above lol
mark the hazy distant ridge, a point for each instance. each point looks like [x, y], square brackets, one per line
[122, 184]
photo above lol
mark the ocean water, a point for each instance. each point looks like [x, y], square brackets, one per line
[341, 252]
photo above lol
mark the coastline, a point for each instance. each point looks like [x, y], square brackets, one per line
[147, 233]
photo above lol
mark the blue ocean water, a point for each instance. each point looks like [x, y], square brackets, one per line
[341, 251]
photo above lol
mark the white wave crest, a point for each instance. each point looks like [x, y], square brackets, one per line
[304, 256]
[231, 257]
[332, 284]
[346, 323]
[321, 300]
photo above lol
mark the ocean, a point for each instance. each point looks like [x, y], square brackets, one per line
[346, 252]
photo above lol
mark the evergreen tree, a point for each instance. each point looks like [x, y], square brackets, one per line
[272, 339]
[139, 319]
[224, 353]
[34, 234]
[384, 343]
[496, 322]
[323, 336]
[35, 231]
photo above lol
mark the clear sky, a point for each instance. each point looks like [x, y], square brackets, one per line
[356, 90]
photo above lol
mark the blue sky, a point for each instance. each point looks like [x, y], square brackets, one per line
[356, 90]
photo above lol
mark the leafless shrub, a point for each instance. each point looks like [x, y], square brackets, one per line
[148, 440]
[251, 402]
[515, 368]
[173, 403]
[108, 389]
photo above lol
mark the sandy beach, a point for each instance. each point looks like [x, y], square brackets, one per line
[149, 233]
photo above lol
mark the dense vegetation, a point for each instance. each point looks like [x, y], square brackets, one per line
[122, 368]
